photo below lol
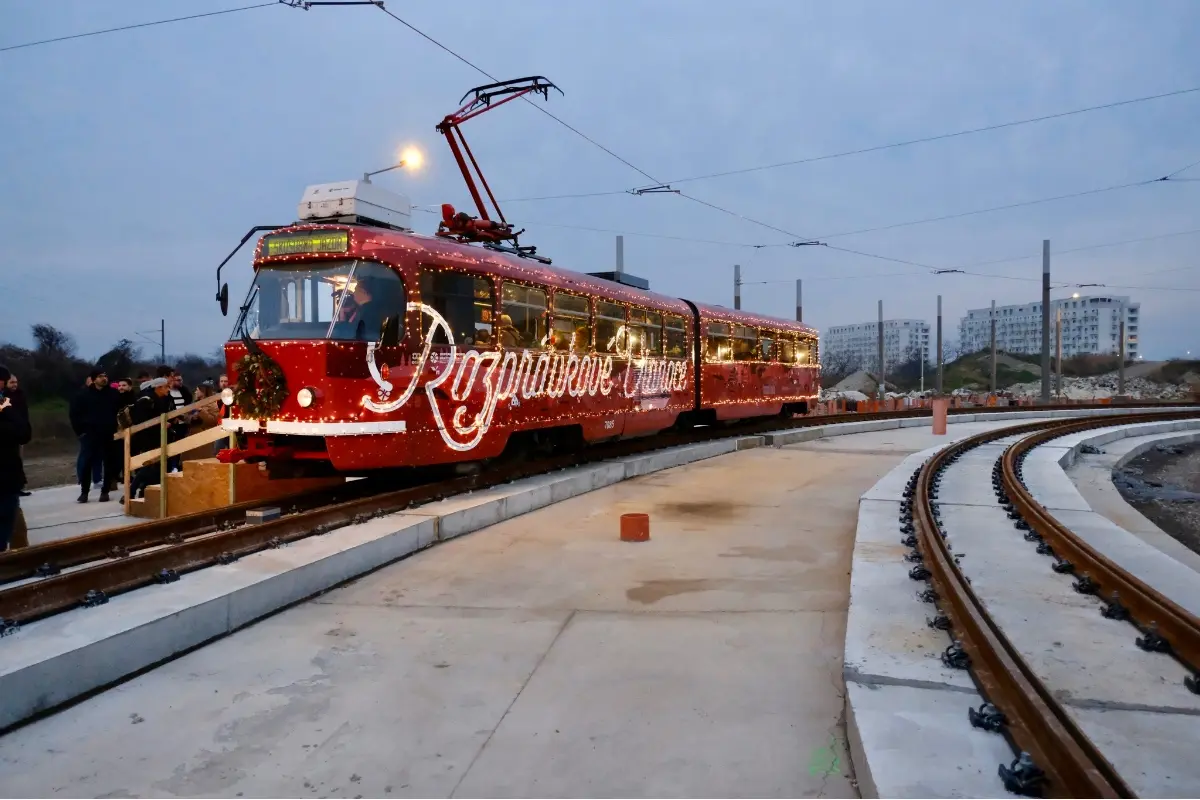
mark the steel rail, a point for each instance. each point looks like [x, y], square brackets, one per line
[51, 558]
[169, 548]
[1032, 718]
[1167, 627]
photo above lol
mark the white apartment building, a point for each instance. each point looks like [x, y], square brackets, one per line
[1090, 324]
[859, 344]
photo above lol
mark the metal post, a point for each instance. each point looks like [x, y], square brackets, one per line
[162, 466]
[162, 341]
[232, 471]
[1058, 354]
[993, 347]
[620, 254]
[882, 374]
[1121, 355]
[799, 301]
[923, 355]
[737, 286]
[938, 385]
[1045, 320]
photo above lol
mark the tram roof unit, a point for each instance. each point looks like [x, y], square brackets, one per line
[355, 202]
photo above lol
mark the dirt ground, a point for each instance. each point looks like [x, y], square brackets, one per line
[1164, 485]
[49, 467]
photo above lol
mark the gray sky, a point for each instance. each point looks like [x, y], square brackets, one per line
[132, 162]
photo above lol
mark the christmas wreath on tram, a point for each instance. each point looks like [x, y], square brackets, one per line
[261, 386]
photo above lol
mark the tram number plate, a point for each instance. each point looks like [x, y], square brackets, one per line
[287, 244]
[610, 424]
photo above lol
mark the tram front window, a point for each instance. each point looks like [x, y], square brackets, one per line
[347, 300]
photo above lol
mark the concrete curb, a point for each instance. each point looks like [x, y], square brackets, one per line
[1045, 469]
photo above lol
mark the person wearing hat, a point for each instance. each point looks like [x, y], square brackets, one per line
[14, 434]
[154, 400]
[94, 420]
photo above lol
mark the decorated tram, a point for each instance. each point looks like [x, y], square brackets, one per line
[363, 345]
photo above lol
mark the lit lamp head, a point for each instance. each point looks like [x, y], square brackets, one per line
[411, 158]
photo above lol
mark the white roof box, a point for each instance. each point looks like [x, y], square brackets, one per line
[355, 201]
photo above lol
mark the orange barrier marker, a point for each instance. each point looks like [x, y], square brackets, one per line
[940, 405]
[635, 527]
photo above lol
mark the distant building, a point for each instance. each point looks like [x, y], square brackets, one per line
[857, 346]
[1091, 324]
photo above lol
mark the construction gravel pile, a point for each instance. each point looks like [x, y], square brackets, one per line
[1101, 386]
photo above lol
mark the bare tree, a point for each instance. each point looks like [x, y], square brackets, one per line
[53, 342]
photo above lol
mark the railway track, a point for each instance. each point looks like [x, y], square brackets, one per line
[1055, 757]
[46, 579]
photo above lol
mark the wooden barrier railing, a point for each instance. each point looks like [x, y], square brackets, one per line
[166, 450]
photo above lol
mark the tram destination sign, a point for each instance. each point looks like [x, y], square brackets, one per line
[289, 244]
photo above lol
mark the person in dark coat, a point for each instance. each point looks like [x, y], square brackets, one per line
[13, 391]
[14, 434]
[154, 400]
[80, 460]
[94, 420]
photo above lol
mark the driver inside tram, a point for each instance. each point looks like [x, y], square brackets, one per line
[361, 309]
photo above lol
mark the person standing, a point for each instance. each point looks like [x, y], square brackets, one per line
[14, 434]
[152, 402]
[12, 390]
[116, 453]
[94, 419]
[180, 427]
[76, 412]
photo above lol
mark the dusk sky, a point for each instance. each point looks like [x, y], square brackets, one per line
[133, 161]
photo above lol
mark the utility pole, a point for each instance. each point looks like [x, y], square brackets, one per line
[737, 286]
[938, 385]
[1121, 354]
[1058, 353]
[162, 341]
[1045, 320]
[799, 301]
[881, 381]
[993, 347]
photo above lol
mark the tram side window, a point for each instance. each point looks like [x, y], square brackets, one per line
[785, 348]
[572, 323]
[522, 316]
[766, 340]
[803, 352]
[610, 327]
[744, 341]
[675, 334]
[645, 334]
[717, 347]
[465, 302]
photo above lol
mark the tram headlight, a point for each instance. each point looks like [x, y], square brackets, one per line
[227, 396]
[306, 397]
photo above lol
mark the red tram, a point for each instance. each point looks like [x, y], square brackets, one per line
[364, 346]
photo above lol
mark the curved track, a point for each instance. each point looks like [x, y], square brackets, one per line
[1056, 757]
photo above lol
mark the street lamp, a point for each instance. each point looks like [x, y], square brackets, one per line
[409, 158]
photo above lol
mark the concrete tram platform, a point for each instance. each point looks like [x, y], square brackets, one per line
[548, 618]
[540, 657]
[52, 514]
